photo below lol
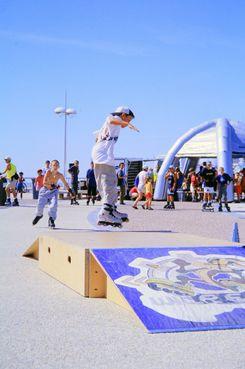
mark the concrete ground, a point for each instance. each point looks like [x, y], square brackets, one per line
[45, 325]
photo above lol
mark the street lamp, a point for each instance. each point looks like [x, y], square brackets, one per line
[64, 111]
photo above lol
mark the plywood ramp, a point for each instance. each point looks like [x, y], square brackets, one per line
[67, 256]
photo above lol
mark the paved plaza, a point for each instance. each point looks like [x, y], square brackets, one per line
[45, 325]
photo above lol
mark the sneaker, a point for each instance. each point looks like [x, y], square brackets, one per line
[134, 207]
[150, 208]
[143, 207]
[228, 208]
[36, 219]
[8, 202]
[15, 203]
[51, 223]
[87, 202]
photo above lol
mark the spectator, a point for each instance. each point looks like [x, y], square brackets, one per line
[141, 185]
[47, 167]
[74, 171]
[91, 184]
[171, 179]
[243, 181]
[10, 172]
[223, 179]
[194, 183]
[148, 194]
[39, 180]
[238, 185]
[133, 193]
[208, 175]
[150, 174]
[20, 184]
[121, 182]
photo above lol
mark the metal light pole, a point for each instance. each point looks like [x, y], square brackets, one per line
[65, 111]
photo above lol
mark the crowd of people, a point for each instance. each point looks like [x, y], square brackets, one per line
[206, 185]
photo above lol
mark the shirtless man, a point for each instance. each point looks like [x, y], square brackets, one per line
[49, 193]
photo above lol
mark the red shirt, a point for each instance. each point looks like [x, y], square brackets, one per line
[39, 182]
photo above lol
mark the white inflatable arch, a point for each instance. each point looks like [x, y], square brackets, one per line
[224, 152]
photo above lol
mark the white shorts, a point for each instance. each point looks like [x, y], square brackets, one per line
[192, 188]
[11, 184]
[208, 190]
[141, 188]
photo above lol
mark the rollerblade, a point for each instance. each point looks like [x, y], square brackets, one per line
[51, 223]
[76, 202]
[220, 208]
[88, 201]
[36, 219]
[8, 202]
[172, 206]
[227, 208]
[207, 207]
[106, 217]
[15, 203]
[166, 206]
[122, 216]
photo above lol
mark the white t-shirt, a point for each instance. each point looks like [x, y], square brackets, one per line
[103, 150]
[142, 178]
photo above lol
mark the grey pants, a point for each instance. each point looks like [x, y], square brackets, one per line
[222, 193]
[44, 197]
[106, 180]
[122, 193]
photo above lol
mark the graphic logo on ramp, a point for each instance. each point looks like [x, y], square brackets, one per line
[182, 284]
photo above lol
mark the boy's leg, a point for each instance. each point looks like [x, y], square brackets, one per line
[89, 194]
[110, 186]
[106, 180]
[98, 177]
[52, 211]
[122, 194]
[42, 201]
[93, 191]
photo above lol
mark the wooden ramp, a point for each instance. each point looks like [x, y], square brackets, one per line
[81, 260]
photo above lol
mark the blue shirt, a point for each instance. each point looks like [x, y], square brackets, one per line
[121, 180]
[91, 178]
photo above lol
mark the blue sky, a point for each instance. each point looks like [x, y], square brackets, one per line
[175, 63]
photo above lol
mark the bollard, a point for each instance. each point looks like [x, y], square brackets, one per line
[235, 233]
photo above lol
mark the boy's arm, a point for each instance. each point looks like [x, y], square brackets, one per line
[123, 124]
[8, 167]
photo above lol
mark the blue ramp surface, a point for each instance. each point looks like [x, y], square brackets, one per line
[180, 289]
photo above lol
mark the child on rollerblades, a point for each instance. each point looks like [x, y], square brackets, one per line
[104, 170]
